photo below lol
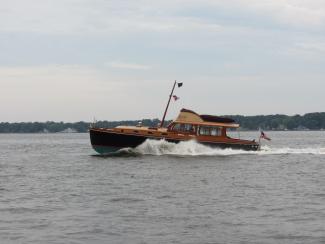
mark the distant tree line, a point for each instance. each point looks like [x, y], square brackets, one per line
[57, 127]
[310, 121]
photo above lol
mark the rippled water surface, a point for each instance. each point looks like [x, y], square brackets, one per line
[53, 189]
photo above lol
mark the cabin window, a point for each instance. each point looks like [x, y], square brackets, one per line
[215, 131]
[183, 128]
[189, 128]
[204, 131]
[209, 131]
[176, 127]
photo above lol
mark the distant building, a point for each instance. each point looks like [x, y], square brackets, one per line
[68, 130]
[300, 127]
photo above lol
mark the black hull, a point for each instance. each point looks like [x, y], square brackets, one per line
[106, 142]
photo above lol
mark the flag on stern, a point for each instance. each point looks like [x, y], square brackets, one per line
[180, 84]
[263, 136]
[175, 97]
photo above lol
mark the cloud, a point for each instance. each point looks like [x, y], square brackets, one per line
[48, 81]
[41, 71]
[292, 12]
[311, 46]
[145, 42]
[122, 65]
[96, 17]
[106, 17]
[75, 92]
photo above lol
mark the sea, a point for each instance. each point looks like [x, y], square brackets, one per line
[55, 189]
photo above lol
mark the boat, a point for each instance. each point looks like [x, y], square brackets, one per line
[208, 130]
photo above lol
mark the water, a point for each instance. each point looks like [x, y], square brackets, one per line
[54, 190]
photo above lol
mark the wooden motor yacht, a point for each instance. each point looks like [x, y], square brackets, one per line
[205, 129]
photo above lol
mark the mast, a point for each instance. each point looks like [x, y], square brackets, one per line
[170, 97]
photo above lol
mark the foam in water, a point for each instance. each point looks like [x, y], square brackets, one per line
[192, 148]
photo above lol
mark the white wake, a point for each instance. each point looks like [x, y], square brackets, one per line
[192, 148]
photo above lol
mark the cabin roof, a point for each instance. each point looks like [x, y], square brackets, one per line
[189, 116]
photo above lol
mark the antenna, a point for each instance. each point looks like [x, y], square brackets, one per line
[170, 96]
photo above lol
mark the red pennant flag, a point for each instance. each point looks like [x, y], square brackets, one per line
[175, 97]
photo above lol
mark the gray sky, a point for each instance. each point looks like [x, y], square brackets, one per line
[71, 60]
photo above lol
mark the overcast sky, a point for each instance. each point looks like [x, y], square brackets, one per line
[72, 60]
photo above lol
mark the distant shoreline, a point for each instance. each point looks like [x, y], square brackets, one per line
[307, 122]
